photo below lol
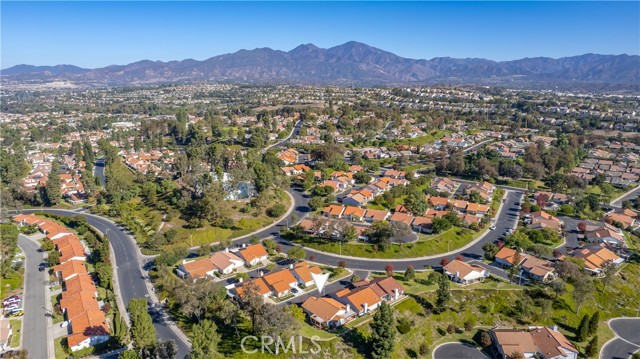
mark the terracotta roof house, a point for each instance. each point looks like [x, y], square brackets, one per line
[444, 185]
[260, 285]
[622, 219]
[401, 218]
[355, 214]
[226, 262]
[197, 269]
[552, 344]
[422, 224]
[438, 203]
[541, 342]
[465, 273]
[280, 282]
[538, 269]
[361, 300]
[327, 312]
[376, 215]
[333, 211]
[69, 269]
[506, 257]
[79, 283]
[88, 329]
[387, 288]
[302, 271]
[78, 303]
[608, 234]
[477, 209]
[254, 254]
[511, 342]
[541, 220]
[355, 199]
[596, 257]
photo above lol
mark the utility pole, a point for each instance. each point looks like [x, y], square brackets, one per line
[191, 239]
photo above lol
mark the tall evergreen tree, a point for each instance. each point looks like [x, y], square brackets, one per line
[143, 333]
[53, 185]
[583, 329]
[204, 340]
[383, 332]
[591, 351]
[593, 323]
[443, 293]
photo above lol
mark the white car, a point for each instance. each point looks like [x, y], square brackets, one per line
[492, 228]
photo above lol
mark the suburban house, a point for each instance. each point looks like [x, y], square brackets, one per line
[373, 215]
[596, 258]
[606, 233]
[222, 262]
[444, 185]
[361, 300]
[538, 269]
[506, 257]
[69, 269]
[354, 214]
[302, 272]
[541, 342]
[226, 262]
[542, 219]
[280, 282]
[422, 224]
[624, 218]
[254, 254]
[327, 312]
[438, 203]
[465, 273]
[387, 288]
[333, 211]
[88, 329]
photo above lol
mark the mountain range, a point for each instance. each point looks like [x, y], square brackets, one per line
[349, 64]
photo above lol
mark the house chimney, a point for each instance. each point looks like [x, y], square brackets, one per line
[366, 307]
[395, 293]
[226, 249]
[348, 308]
[260, 273]
[291, 266]
[240, 280]
[244, 245]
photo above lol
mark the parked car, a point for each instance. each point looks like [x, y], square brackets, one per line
[492, 228]
[16, 313]
[12, 299]
[42, 267]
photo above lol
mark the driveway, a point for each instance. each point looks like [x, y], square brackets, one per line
[457, 351]
[34, 301]
[627, 340]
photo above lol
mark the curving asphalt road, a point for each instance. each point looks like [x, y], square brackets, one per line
[131, 278]
[627, 340]
[457, 351]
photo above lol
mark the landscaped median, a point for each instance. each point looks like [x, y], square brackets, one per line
[426, 245]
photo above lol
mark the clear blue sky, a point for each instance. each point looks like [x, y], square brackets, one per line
[96, 34]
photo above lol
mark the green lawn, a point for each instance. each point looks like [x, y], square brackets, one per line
[12, 283]
[56, 318]
[426, 245]
[59, 347]
[432, 136]
[308, 331]
[16, 326]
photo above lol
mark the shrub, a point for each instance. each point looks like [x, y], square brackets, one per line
[451, 328]
[277, 210]
[404, 326]
[423, 349]
[468, 325]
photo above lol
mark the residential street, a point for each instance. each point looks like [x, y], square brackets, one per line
[627, 340]
[34, 323]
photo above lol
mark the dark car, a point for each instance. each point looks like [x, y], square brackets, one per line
[42, 267]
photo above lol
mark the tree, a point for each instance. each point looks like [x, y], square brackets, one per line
[485, 339]
[275, 321]
[402, 232]
[16, 354]
[558, 286]
[582, 332]
[515, 267]
[381, 233]
[204, 340]
[53, 189]
[143, 333]
[490, 250]
[443, 293]
[355, 278]
[389, 270]
[128, 354]
[582, 226]
[296, 312]
[593, 323]
[582, 290]
[105, 273]
[315, 203]
[608, 274]
[383, 332]
[410, 273]
[297, 253]
[591, 351]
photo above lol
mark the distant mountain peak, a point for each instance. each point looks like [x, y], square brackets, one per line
[351, 63]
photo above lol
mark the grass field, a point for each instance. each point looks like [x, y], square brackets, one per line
[426, 245]
[16, 327]
[12, 284]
